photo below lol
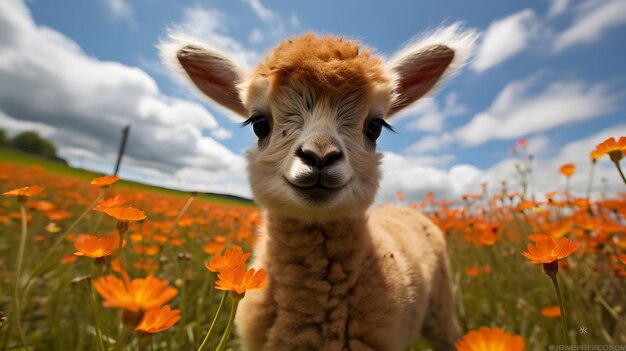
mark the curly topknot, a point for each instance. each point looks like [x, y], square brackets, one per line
[327, 62]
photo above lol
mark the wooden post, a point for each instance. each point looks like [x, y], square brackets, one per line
[122, 148]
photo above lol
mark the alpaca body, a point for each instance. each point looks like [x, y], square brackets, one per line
[340, 277]
[361, 283]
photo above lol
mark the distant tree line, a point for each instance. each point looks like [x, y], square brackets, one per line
[30, 142]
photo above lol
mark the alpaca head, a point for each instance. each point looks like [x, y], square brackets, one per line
[317, 105]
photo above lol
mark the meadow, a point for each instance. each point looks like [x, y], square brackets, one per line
[173, 242]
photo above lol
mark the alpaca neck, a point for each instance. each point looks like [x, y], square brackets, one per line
[324, 259]
[313, 268]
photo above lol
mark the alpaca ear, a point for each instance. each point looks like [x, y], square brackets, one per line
[420, 65]
[417, 73]
[212, 72]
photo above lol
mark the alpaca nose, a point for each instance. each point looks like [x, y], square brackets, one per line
[320, 151]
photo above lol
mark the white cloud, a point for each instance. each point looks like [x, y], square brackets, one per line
[13, 126]
[545, 176]
[222, 134]
[261, 11]
[430, 143]
[414, 178]
[592, 22]
[50, 85]
[426, 114]
[538, 145]
[256, 36]
[517, 112]
[452, 106]
[557, 7]
[120, 8]
[505, 38]
[210, 25]
[294, 20]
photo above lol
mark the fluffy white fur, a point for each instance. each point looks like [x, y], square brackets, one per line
[340, 277]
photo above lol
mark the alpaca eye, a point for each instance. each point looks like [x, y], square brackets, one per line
[260, 126]
[374, 129]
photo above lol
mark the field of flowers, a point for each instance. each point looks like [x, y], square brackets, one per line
[101, 266]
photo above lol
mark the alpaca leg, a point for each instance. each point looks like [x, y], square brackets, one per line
[441, 328]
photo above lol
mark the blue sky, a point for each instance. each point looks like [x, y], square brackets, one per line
[549, 71]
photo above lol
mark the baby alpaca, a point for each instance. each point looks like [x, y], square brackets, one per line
[340, 277]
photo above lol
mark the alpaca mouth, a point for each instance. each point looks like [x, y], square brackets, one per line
[316, 193]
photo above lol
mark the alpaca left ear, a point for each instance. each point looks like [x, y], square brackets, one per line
[417, 73]
[420, 65]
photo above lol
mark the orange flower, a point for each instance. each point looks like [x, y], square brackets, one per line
[615, 149]
[94, 247]
[595, 154]
[547, 250]
[125, 213]
[158, 319]
[472, 271]
[239, 280]
[104, 181]
[525, 205]
[67, 259]
[146, 250]
[58, 215]
[41, 205]
[400, 196]
[136, 296]
[231, 259]
[567, 169]
[537, 237]
[622, 258]
[485, 339]
[212, 247]
[146, 265]
[25, 192]
[551, 311]
[115, 201]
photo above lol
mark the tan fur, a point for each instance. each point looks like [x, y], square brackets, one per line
[362, 283]
[340, 277]
[330, 63]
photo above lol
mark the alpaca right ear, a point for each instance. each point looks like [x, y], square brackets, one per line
[212, 72]
[423, 63]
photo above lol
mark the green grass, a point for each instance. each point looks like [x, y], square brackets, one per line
[25, 159]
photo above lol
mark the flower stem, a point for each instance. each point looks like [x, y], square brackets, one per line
[18, 270]
[124, 336]
[205, 342]
[619, 169]
[229, 326]
[203, 292]
[96, 314]
[558, 294]
[180, 214]
[96, 227]
[58, 242]
[590, 182]
[121, 247]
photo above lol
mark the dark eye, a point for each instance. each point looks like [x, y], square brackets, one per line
[374, 129]
[260, 126]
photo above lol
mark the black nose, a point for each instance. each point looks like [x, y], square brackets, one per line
[315, 157]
